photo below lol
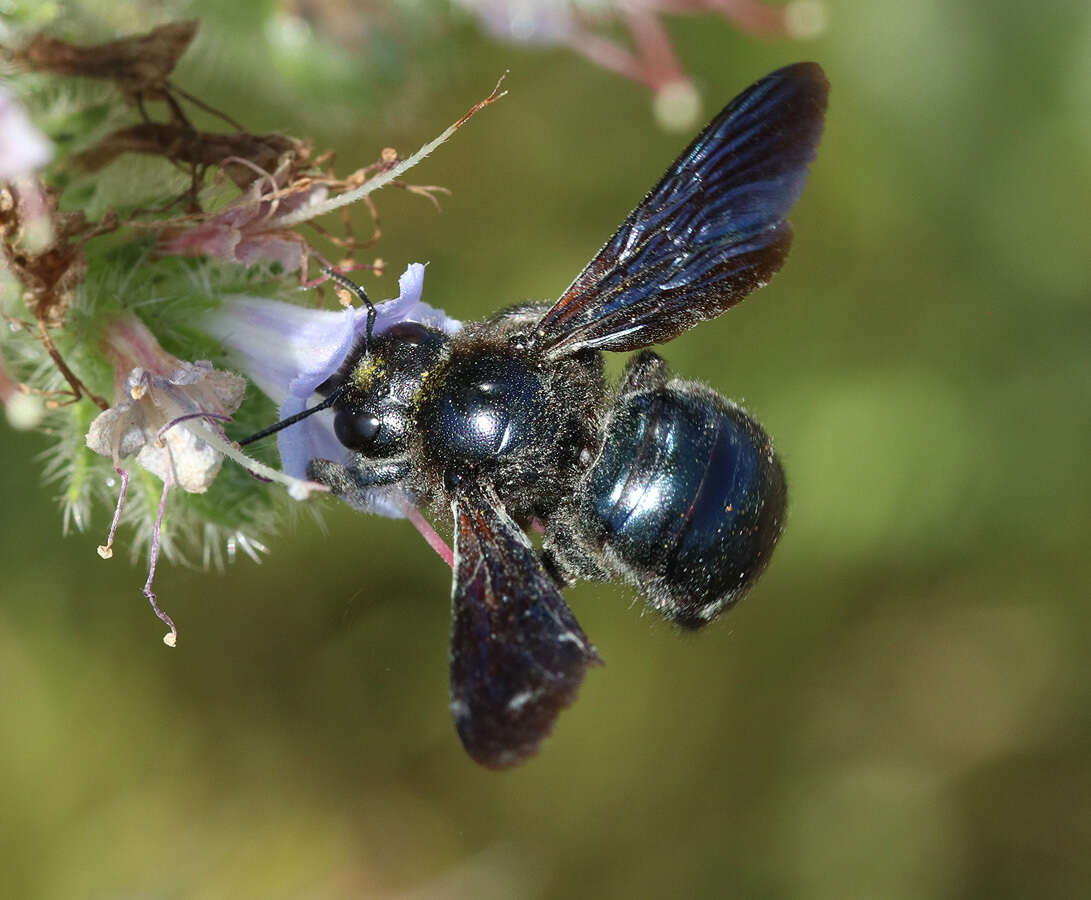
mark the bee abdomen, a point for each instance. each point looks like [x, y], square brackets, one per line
[686, 500]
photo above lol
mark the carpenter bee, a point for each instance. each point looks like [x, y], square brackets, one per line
[510, 425]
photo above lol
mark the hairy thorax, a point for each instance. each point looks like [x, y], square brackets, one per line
[492, 408]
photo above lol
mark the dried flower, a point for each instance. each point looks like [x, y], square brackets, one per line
[162, 414]
[157, 394]
[260, 225]
[69, 298]
[242, 156]
[24, 217]
[140, 65]
[240, 233]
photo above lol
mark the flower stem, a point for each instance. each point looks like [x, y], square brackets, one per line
[314, 210]
[298, 488]
[107, 549]
[172, 638]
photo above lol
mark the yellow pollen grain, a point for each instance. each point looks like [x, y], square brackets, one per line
[369, 368]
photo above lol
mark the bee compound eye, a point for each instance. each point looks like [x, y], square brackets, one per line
[412, 339]
[356, 430]
[412, 333]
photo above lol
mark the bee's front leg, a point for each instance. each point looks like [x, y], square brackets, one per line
[353, 482]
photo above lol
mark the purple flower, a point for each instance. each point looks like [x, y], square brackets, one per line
[22, 147]
[289, 350]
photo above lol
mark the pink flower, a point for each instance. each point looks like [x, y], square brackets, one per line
[240, 233]
[645, 54]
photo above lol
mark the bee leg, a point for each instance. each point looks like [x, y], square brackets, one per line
[644, 372]
[352, 483]
[564, 558]
[556, 570]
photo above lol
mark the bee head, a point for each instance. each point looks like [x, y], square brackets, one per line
[376, 394]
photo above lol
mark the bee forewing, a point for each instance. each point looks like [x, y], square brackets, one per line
[517, 652]
[710, 232]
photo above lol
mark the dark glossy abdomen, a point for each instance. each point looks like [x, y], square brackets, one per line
[686, 499]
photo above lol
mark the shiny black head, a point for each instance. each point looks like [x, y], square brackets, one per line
[378, 385]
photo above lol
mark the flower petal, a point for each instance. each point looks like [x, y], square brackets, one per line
[272, 247]
[150, 403]
[278, 344]
[207, 239]
[193, 464]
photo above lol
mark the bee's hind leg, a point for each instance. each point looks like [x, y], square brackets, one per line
[644, 372]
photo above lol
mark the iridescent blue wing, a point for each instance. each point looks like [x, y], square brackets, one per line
[517, 653]
[710, 232]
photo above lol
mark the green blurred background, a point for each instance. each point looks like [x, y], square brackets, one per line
[900, 709]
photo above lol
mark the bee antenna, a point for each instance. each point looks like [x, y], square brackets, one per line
[358, 290]
[291, 420]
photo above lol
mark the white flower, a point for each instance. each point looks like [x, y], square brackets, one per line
[143, 422]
